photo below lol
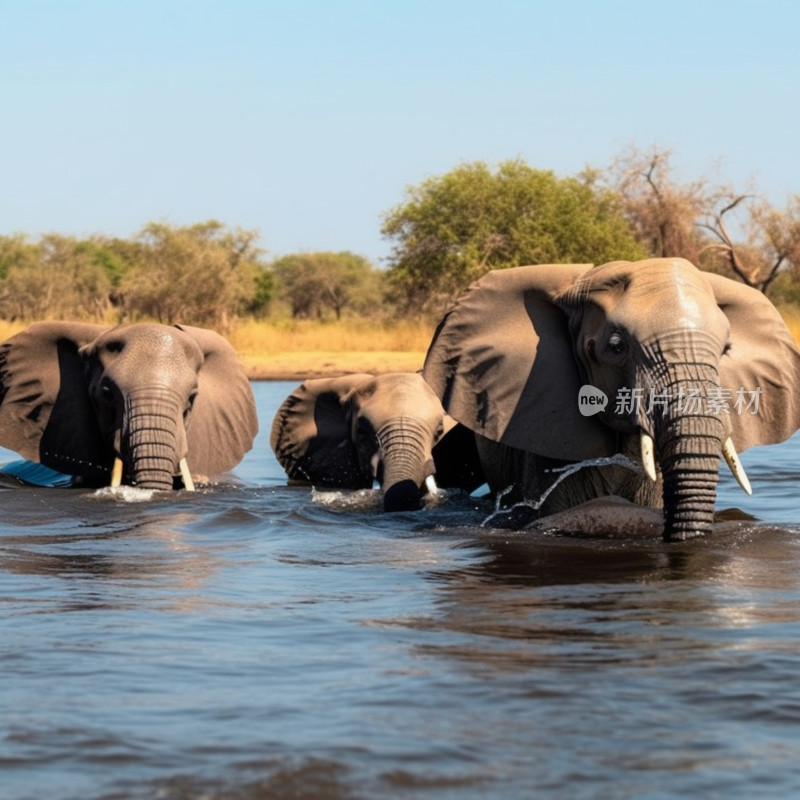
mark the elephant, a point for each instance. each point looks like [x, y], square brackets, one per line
[346, 432]
[141, 403]
[682, 366]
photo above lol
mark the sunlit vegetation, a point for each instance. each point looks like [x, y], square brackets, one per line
[366, 335]
[446, 232]
[791, 316]
[452, 228]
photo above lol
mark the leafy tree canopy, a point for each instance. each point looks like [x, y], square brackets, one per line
[55, 277]
[456, 226]
[204, 274]
[313, 282]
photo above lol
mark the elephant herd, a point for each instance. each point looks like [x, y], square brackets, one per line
[554, 384]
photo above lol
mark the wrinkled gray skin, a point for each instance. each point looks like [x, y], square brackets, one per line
[612, 517]
[510, 357]
[348, 432]
[77, 396]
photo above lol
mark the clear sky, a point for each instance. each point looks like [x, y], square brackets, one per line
[308, 119]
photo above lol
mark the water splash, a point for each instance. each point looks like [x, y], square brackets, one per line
[349, 500]
[368, 499]
[617, 460]
[435, 498]
[125, 494]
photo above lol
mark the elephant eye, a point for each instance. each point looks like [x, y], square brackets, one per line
[616, 344]
[189, 405]
[115, 346]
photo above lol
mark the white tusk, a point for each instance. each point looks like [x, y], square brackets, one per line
[732, 460]
[430, 484]
[648, 459]
[188, 483]
[116, 473]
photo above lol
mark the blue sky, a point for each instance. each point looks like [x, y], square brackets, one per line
[309, 119]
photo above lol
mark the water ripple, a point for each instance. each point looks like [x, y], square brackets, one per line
[255, 640]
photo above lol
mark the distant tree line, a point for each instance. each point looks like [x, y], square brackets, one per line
[447, 232]
[205, 274]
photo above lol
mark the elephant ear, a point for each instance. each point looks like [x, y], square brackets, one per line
[223, 423]
[46, 414]
[502, 363]
[311, 434]
[761, 369]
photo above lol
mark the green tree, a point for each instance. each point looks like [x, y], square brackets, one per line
[16, 251]
[55, 278]
[203, 274]
[263, 294]
[313, 282]
[298, 284]
[454, 227]
[116, 257]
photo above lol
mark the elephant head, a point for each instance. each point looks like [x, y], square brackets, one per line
[692, 364]
[348, 432]
[142, 403]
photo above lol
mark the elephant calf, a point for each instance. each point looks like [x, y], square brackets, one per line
[347, 432]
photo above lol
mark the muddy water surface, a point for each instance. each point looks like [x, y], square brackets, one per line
[260, 641]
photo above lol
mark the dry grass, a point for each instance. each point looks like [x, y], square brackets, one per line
[294, 350]
[791, 316]
[297, 349]
[10, 328]
[343, 336]
[299, 365]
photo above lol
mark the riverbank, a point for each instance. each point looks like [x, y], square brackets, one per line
[298, 349]
[299, 365]
[293, 350]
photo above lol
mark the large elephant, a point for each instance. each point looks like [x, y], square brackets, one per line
[349, 431]
[693, 366]
[144, 404]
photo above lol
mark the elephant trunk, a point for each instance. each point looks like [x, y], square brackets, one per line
[689, 430]
[404, 445]
[154, 439]
[689, 450]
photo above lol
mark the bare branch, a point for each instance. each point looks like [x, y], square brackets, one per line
[765, 284]
[735, 202]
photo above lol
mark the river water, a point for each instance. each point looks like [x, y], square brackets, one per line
[260, 641]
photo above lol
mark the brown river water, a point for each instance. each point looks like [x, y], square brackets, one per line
[260, 641]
